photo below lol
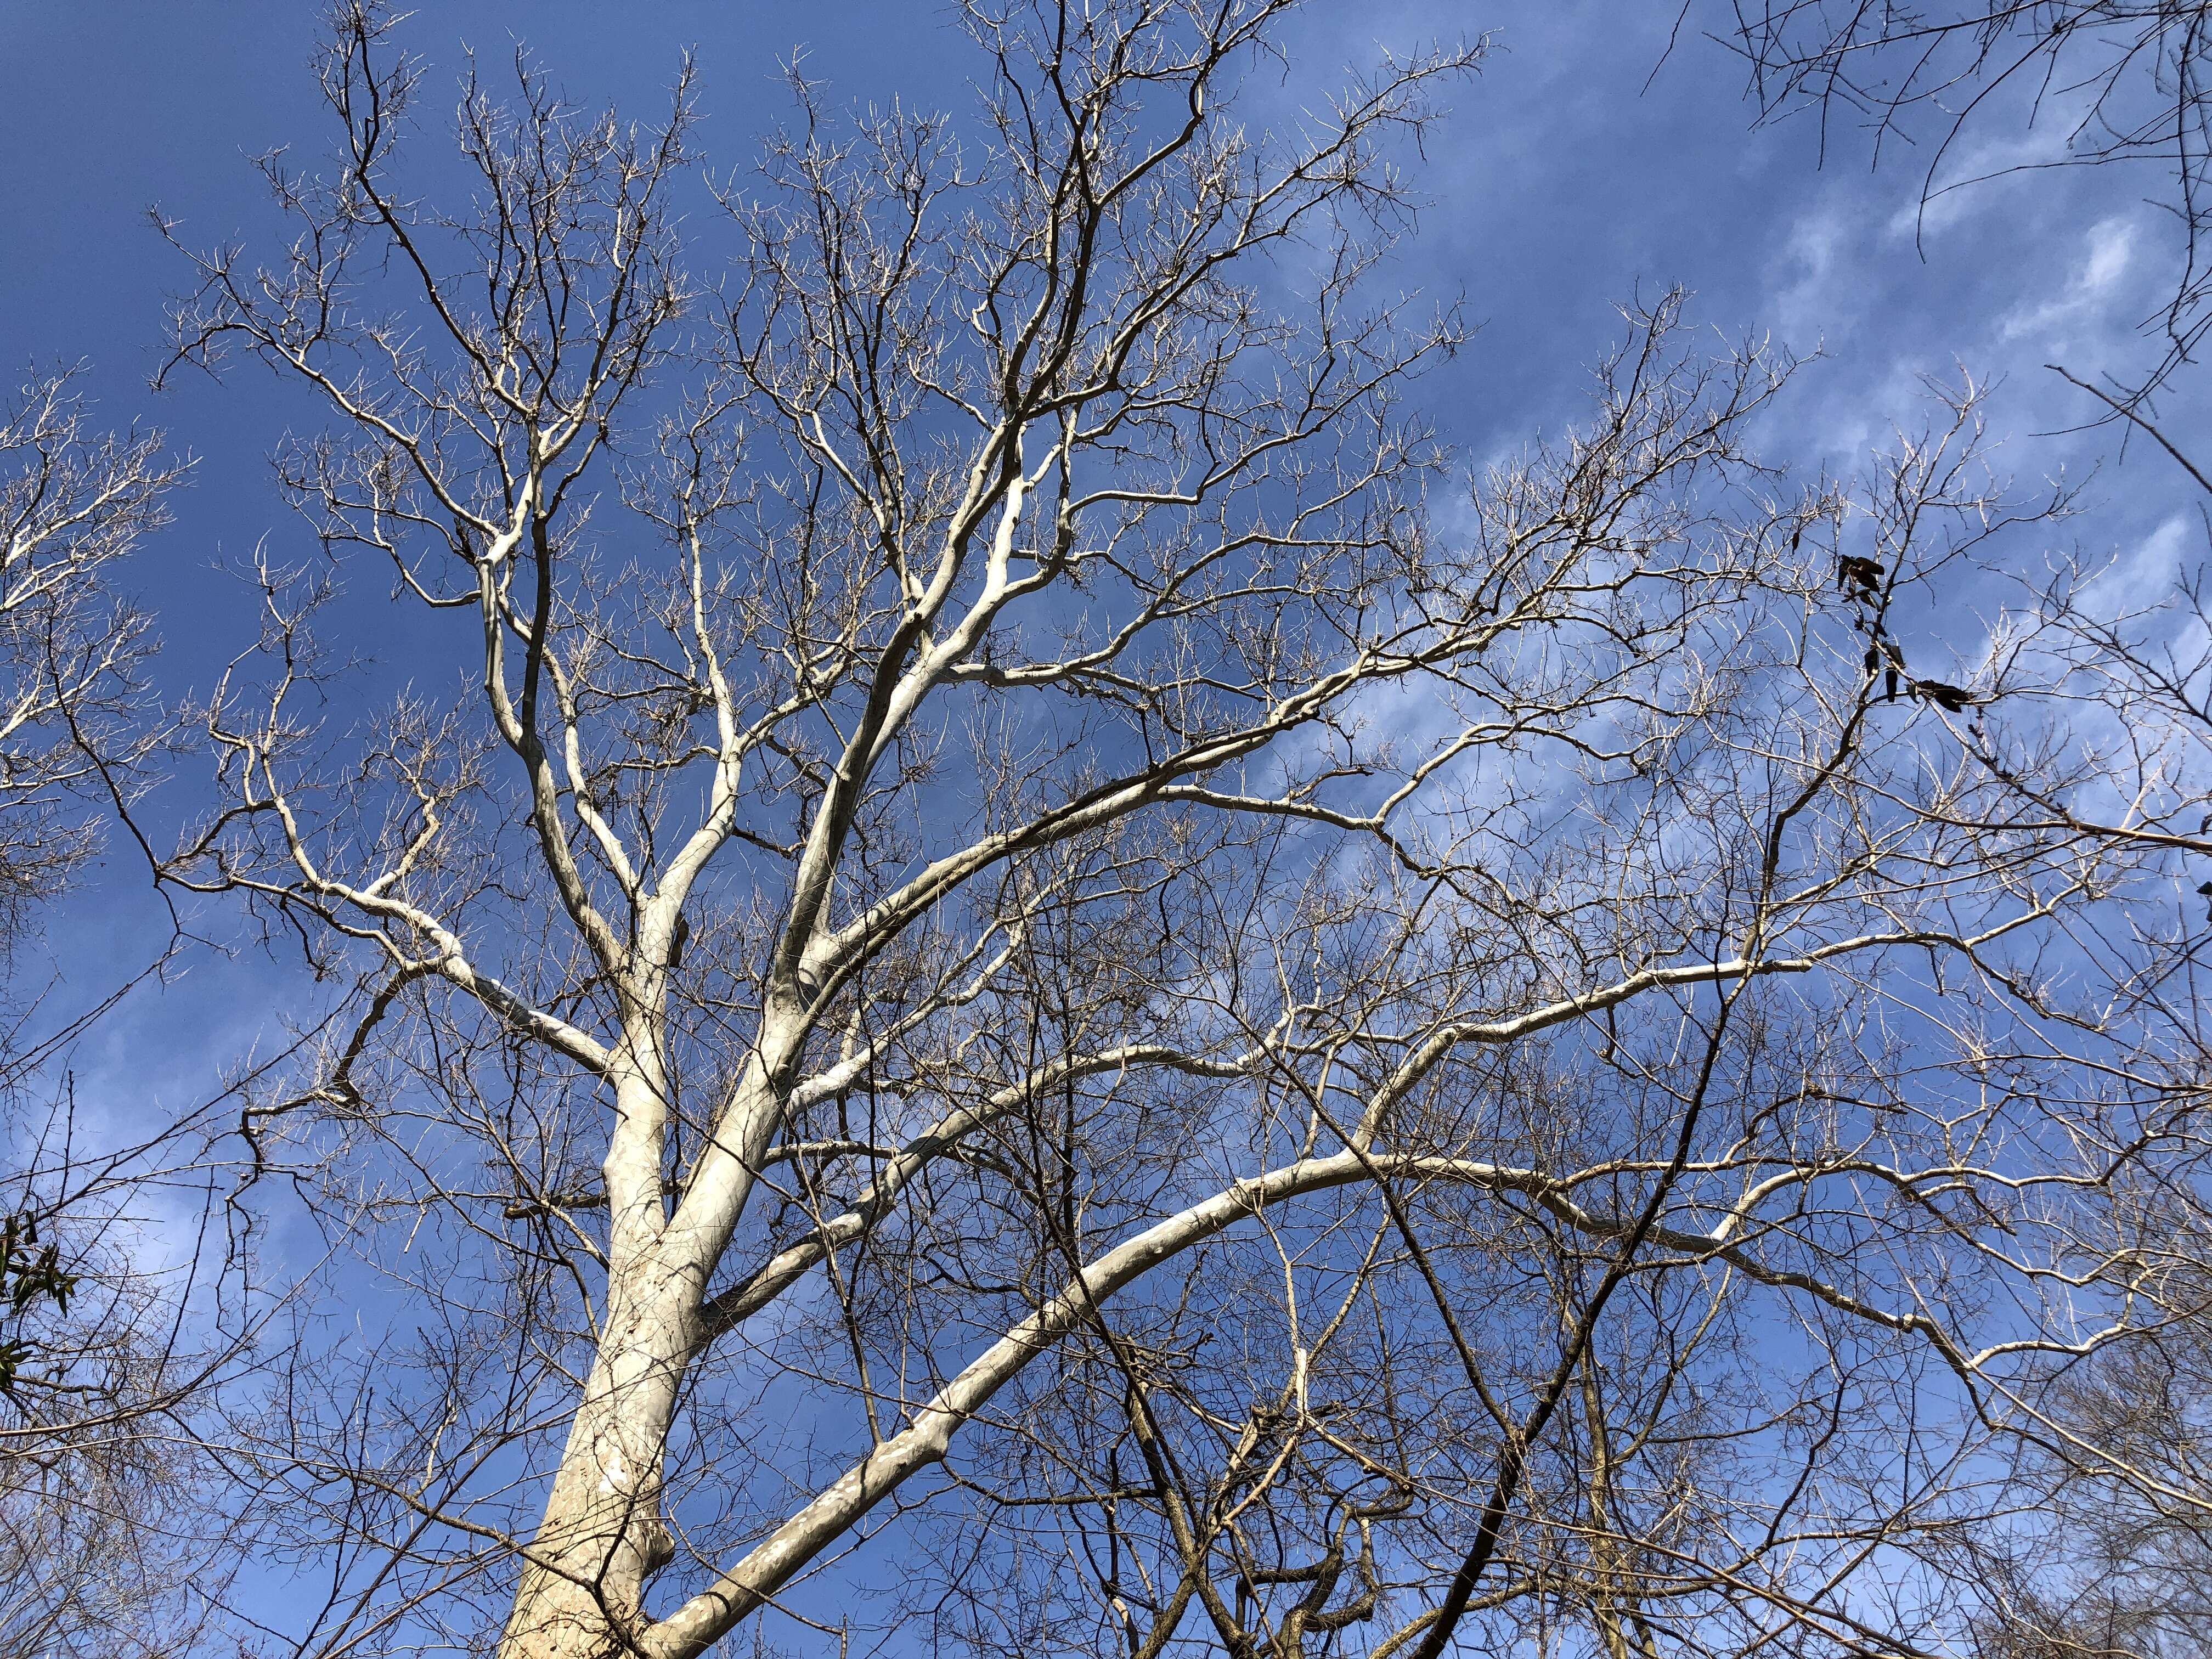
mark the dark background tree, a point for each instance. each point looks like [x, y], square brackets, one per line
[111, 1538]
[2124, 83]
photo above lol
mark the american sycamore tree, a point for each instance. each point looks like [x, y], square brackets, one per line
[1019, 971]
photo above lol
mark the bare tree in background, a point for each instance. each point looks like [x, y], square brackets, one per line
[2105, 1547]
[73, 502]
[1011, 938]
[115, 1535]
[2102, 1543]
[103, 1524]
[2129, 79]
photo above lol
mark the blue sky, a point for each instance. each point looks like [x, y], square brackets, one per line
[1585, 162]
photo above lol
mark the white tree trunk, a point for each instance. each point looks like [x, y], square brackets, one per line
[602, 1534]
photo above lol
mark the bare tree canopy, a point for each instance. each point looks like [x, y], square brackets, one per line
[105, 1516]
[73, 501]
[2122, 81]
[1010, 970]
